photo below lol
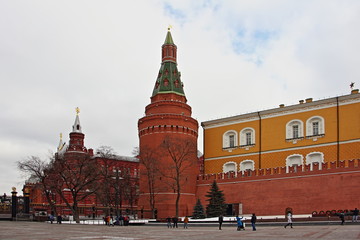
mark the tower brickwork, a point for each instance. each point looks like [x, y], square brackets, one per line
[168, 119]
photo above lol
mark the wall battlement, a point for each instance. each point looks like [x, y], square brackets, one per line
[279, 172]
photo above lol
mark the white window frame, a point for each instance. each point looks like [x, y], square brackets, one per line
[243, 137]
[226, 167]
[245, 162]
[289, 163]
[289, 130]
[309, 161]
[226, 139]
[310, 129]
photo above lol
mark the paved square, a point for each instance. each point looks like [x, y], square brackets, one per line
[40, 230]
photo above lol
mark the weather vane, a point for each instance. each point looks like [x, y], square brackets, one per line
[77, 110]
[352, 85]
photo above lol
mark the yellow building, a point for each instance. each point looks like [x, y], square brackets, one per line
[311, 132]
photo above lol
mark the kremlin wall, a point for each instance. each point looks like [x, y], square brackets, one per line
[271, 191]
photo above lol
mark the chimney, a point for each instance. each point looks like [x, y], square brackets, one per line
[354, 91]
[282, 105]
[301, 101]
[308, 100]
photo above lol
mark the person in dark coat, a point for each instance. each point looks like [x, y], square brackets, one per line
[175, 222]
[253, 221]
[168, 221]
[59, 219]
[342, 218]
[221, 219]
[355, 215]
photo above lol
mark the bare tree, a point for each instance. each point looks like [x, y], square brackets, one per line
[183, 155]
[75, 179]
[106, 156]
[38, 171]
[130, 188]
[148, 159]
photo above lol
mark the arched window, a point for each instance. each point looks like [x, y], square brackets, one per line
[294, 160]
[247, 137]
[294, 130]
[230, 139]
[315, 126]
[229, 167]
[315, 157]
[247, 165]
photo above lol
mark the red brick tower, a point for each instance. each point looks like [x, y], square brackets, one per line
[76, 143]
[168, 117]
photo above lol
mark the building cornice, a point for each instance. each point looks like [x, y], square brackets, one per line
[282, 111]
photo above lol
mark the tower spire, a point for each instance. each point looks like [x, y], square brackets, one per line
[61, 143]
[169, 78]
[77, 126]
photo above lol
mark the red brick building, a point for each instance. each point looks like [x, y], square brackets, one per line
[117, 179]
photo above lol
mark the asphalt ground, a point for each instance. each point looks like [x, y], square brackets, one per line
[42, 230]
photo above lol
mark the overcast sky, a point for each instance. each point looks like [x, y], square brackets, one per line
[104, 56]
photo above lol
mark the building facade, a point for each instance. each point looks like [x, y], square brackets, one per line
[309, 133]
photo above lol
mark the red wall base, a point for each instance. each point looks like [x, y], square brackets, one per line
[304, 192]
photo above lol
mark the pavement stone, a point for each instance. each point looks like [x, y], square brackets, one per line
[42, 230]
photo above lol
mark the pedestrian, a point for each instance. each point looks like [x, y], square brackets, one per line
[107, 220]
[59, 219]
[168, 221]
[51, 218]
[111, 220]
[355, 215]
[240, 224]
[253, 221]
[342, 218]
[186, 221]
[221, 219]
[289, 220]
[175, 222]
[121, 220]
[126, 220]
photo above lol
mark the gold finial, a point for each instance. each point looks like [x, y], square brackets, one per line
[77, 110]
[169, 27]
[60, 136]
[13, 189]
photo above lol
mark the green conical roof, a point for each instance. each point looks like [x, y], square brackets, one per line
[168, 80]
[168, 39]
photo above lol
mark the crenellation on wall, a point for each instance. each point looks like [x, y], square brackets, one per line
[281, 171]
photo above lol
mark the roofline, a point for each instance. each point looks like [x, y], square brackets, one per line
[281, 108]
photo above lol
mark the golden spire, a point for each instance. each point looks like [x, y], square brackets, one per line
[77, 110]
[60, 136]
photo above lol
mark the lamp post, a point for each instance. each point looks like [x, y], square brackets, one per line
[117, 178]
[13, 203]
[26, 193]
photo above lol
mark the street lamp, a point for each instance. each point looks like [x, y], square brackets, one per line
[117, 178]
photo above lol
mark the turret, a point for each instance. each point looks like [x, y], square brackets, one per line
[76, 142]
[168, 116]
